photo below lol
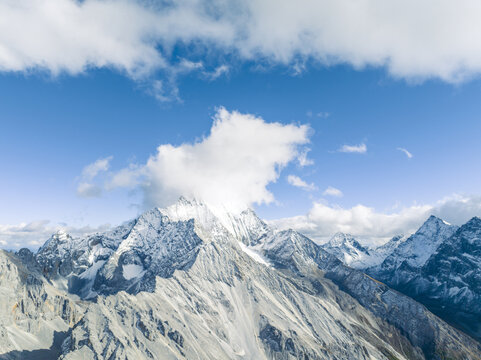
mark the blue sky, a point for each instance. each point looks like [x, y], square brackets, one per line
[56, 122]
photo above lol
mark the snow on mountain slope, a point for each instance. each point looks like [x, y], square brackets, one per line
[405, 261]
[440, 265]
[347, 249]
[450, 281]
[183, 283]
[228, 306]
[383, 251]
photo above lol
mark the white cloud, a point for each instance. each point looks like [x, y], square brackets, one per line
[361, 148]
[323, 219]
[413, 39]
[332, 191]
[457, 209]
[323, 114]
[86, 188]
[125, 178]
[34, 234]
[298, 182]
[302, 158]
[231, 166]
[92, 170]
[408, 154]
[218, 72]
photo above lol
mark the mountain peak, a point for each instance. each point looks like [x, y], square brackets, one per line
[475, 221]
[340, 238]
[433, 225]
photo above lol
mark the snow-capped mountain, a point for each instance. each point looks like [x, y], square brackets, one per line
[350, 251]
[416, 250]
[383, 251]
[189, 282]
[440, 266]
[347, 249]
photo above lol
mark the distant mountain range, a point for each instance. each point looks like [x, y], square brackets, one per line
[439, 266]
[189, 282]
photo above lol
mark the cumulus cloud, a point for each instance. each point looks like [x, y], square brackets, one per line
[375, 227]
[407, 153]
[412, 39]
[231, 166]
[298, 182]
[332, 191]
[34, 234]
[360, 149]
[457, 209]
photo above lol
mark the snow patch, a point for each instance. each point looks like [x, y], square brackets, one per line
[131, 271]
[253, 254]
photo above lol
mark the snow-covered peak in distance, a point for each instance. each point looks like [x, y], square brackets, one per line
[347, 249]
[408, 257]
[417, 249]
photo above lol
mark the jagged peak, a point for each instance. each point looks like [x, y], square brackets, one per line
[340, 238]
[474, 221]
[433, 223]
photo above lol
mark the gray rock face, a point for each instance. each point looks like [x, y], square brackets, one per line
[34, 315]
[421, 328]
[182, 282]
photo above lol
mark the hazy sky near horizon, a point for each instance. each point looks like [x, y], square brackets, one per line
[325, 127]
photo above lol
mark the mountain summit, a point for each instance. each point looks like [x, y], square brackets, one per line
[182, 282]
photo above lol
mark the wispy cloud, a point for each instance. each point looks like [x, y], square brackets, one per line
[217, 72]
[320, 114]
[92, 170]
[86, 188]
[298, 182]
[408, 154]
[360, 149]
[332, 191]
[302, 158]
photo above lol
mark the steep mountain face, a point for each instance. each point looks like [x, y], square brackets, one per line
[440, 266]
[383, 251]
[450, 281]
[33, 313]
[405, 262]
[453, 272]
[297, 254]
[182, 282]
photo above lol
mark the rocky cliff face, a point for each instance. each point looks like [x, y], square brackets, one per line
[34, 315]
[182, 282]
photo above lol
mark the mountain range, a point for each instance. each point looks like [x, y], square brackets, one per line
[439, 266]
[190, 282]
